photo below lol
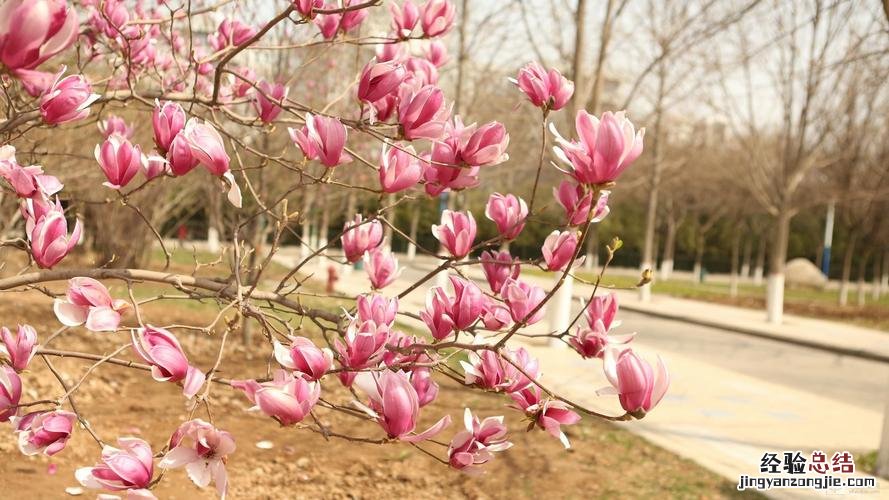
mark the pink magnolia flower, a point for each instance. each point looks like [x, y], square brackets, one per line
[508, 212]
[420, 72]
[421, 112]
[286, 398]
[476, 444]
[201, 448]
[10, 392]
[115, 125]
[244, 84]
[390, 52]
[489, 370]
[577, 201]
[605, 149]
[351, 19]
[639, 387]
[35, 83]
[167, 120]
[67, 100]
[522, 298]
[383, 109]
[362, 346]
[323, 138]
[32, 31]
[182, 161]
[155, 166]
[231, 33]
[559, 248]
[421, 381]
[545, 89]
[377, 308]
[456, 232]
[359, 237]
[208, 149]
[486, 146]
[47, 232]
[404, 18]
[120, 161]
[328, 25]
[306, 8]
[437, 53]
[499, 267]
[591, 342]
[27, 182]
[379, 79]
[268, 109]
[161, 349]
[112, 19]
[400, 168]
[381, 267]
[129, 467]
[602, 308]
[550, 415]
[18, 349]
[495, 315]
[438, 17]
[395, 405]
[437, 314]
[467, 304]
[44, 432]
[304, 357]
[88, 301]
[395, 354]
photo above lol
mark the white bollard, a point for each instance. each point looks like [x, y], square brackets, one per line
[559, 309]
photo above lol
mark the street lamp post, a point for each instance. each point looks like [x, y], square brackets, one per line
[828, 239]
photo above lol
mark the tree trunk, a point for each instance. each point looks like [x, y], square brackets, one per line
[875, 280]
[387, 229]
[862, 272]
[577, 101]
[592, 248]
[700, 242]
[736, 251]
[777, 259]
[847, 267]
[415, 223]
[745, 261]
[760, 261]
[214, 220]
[654, 185]
[669, 250]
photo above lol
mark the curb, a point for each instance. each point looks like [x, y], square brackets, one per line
[845, 351]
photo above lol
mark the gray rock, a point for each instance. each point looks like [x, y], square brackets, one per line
[803, 273]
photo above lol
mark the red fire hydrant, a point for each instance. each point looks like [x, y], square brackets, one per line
[332, 277]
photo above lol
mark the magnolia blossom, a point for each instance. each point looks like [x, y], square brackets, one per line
[32, 31]
[591, 342]
[44, 432]
[47, 232]
[476, 444]
[67, 100]
[286, 398]
[495, 315]
[499, 267]
[115, 125]
[488, 369]
[395, 405]
[467, 304]
[605, 149]
[10, 392]
[201, 448]
[231, 32]
[545, 89]
[602, 308]
[27, 182]
[437, 53]
[331, 24]
[421, 381]
[242, 81]
[400, 168]
[156, 166]
[129, 467]
[181, 160]
[88, 301]
[577, 201]
[267, 108]
[377, 308]
[422, 113]
[120, 161]
[322, 139]
[420, 72]
[550, 415]
[559, 249]
[486, 145]
[379, 79]
[456, 232]
[404, 18]
[437, 314]
[18, 349]
[397, 352]
[382, 267]
[167, 120]
[306, 8]
[304, 357]
[360, 236]
[208, 149]
[438, 17]
[522, 298]
[361, 346]
[161, 349]
[639, 387]
[509, 212]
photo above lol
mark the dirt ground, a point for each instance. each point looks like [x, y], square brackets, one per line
[605, 461]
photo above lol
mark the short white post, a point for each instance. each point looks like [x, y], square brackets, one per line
[560, 309]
